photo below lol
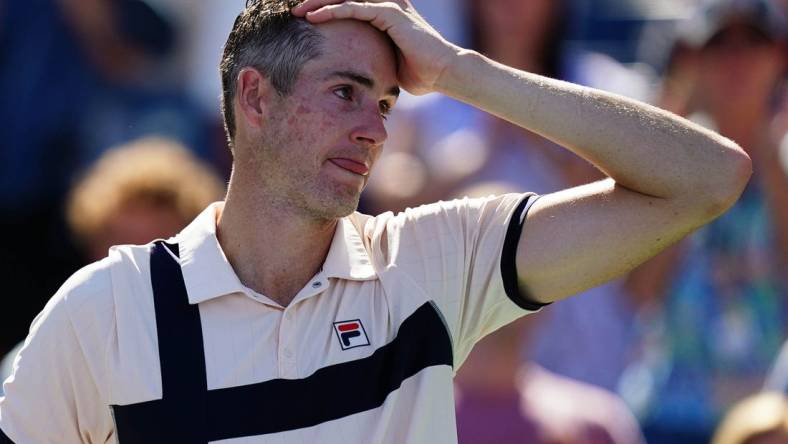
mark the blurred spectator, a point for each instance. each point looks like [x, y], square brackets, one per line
[759, 419]
[590, 338]
[76, 76]
[148, 189]
[715, 306]
[503, 401]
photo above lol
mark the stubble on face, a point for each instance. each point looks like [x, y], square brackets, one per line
[288, 161]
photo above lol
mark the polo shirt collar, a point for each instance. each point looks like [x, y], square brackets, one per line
[208, 274]
[206, 271]
[347, 257]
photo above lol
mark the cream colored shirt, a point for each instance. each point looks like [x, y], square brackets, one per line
[95, 343]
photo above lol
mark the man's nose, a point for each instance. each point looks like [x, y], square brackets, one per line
[370, 130]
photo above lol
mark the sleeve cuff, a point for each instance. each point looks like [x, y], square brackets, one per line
[511, 284]
[5, 439]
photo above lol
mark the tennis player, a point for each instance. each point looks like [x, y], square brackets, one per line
[282, 315]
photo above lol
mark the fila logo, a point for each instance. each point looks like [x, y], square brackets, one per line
[351, 334]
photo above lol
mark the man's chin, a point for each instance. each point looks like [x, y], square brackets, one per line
[346, 209]
[336, 208]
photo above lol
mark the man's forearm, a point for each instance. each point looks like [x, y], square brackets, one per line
[641, 147]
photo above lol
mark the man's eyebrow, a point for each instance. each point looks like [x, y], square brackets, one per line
[363, 80]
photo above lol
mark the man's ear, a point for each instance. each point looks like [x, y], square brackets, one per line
[254, 97]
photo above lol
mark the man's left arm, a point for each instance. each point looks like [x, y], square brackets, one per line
[667, 176]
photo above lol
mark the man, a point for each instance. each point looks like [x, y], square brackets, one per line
[282, 316]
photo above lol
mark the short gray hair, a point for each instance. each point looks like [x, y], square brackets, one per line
[267, 37]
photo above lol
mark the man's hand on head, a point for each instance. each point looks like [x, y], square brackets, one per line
[424, 55]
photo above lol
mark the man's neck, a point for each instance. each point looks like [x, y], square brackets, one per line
[274, 250]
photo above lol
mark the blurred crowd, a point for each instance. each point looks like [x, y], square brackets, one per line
[111, 134]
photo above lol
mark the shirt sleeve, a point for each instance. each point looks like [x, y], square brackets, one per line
[462, 253]
[51, 396]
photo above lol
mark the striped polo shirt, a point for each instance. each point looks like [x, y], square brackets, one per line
[365, 353]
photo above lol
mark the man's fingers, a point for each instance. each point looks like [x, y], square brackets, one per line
[380, 16]
[312, 5]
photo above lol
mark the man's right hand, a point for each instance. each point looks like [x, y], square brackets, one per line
[423, 54]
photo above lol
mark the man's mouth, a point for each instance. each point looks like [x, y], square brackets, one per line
[351, 165]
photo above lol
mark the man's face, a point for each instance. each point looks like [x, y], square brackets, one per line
[321, 142]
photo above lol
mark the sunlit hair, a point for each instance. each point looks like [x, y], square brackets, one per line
[754, 417]
[267, 37]
[154, 171]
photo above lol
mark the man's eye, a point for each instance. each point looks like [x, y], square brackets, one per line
[344, 93]
[385, 110]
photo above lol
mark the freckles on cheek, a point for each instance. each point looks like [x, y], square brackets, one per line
[302, 114]
[297, 120]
